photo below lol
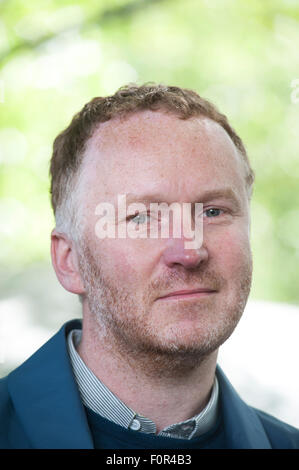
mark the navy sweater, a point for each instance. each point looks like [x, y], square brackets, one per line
[108, 435]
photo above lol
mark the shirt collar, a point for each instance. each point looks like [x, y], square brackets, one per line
[96, 396]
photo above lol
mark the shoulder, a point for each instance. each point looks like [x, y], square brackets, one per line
[4, 398]
[249, 427]
[5, 412]
[280, 434]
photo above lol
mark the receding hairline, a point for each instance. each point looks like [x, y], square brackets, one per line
[69, 147]
[95, 140]
[83, 174]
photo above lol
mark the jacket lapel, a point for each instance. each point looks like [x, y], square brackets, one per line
[243, 428]
[48, 405]
[46, 399]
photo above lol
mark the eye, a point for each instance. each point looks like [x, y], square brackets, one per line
[138, 219]
[213, 212]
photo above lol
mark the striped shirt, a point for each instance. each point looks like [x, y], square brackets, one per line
[96, 396]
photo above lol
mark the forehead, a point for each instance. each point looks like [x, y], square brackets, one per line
[160, 151]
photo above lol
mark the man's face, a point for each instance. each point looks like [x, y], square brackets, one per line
[124, 278]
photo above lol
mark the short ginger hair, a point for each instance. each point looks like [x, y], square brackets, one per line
[70, 144]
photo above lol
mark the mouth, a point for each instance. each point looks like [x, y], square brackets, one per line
[188, 294]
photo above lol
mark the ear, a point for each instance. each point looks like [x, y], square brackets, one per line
[65, 263]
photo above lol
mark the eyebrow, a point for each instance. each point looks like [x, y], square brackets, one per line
[222, 193]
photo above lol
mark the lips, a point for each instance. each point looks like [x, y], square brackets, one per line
[187, 292]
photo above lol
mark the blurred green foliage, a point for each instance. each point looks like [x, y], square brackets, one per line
[56, 55]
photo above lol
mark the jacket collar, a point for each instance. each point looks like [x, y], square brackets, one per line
[48, 404]
[46, 398]
[243, 428]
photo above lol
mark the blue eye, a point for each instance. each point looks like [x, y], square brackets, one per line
[141, 216]
[212, 212]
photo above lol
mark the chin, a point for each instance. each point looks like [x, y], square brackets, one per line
[194, 337]
[185, 342]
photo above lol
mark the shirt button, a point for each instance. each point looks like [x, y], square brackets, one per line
[135, 425]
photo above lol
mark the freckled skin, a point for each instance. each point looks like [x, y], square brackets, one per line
[159, 357]
[180, 158]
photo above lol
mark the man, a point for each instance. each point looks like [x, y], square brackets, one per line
[141, 370]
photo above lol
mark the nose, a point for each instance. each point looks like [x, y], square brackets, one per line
[176, 253]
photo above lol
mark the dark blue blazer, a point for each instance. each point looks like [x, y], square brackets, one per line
[40, 407]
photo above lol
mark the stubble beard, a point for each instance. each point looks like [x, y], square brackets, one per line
[124, 325]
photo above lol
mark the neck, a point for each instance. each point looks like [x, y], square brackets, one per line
[163, 388]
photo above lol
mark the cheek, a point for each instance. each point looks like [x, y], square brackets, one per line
[124, 263]
[230, 250]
